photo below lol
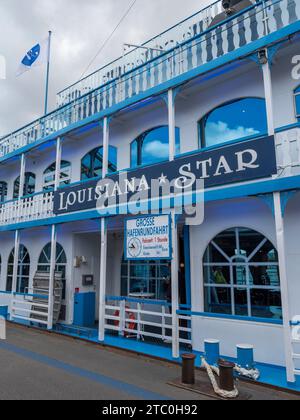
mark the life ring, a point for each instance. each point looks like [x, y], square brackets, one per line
[129, 325]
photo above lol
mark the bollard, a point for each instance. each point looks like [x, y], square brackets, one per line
[245, 356]
[188, 369]
[212, 351]
[226, 375]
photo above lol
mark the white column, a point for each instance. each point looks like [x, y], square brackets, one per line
[175, 292]
[284, 287]
[102, 290]
[103, 255]
[52, 276]
[58, 164]
[269, 97]
[174, 265]
[16, 261]
[22, 175]
[54, 240]
[279, 223]
[105, 147]
[172, 128]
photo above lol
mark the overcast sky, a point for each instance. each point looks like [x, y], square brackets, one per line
[79, 28]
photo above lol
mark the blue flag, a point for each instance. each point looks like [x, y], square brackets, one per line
[34, 57]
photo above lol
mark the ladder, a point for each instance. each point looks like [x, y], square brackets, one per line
[33, 306]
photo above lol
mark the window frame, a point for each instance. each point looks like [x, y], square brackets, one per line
[59, 266]
[247, 263]
[295, 103]
[62, 180]
[157, 279]
[94, 152]
[139, 140]
[203, 121]
[21, 265]
[3, 195]
[25, 191]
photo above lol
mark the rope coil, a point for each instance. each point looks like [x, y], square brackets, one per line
[212, 371]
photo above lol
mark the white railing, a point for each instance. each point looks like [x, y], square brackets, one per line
[134, 318]
[288, 152]
[39, 206]
[180, 33]
[30, 308]
[264, 18]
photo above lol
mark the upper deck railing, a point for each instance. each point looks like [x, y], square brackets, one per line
[166, 41]
[250, 25]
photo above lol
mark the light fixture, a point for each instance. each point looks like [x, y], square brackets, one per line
[262, 57]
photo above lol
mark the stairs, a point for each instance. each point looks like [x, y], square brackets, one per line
[34, 305]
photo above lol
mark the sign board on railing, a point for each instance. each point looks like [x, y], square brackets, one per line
[148, 238]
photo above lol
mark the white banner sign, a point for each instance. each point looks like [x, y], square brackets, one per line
[148, 238]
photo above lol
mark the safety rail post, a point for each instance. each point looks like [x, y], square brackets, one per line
[52, 276]
[16, 261]
[163, 319]
[122, 317]
[103, 254]
[139, 319]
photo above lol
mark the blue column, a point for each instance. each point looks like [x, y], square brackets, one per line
[212, 351]
[245, 356]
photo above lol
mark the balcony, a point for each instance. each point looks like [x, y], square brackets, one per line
[39, 206]
[200, 46]
[36, 207]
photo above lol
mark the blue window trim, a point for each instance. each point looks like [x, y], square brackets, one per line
[296, 111]
[231, 317]
[139, 140]
[203, 121]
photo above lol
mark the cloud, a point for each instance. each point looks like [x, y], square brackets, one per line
[157, 149]
[220, 132]
[79, 29]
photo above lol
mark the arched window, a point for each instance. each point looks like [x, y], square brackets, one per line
[297, 102]
[235, 120]
[241, 275]
[23, 270]
[91, 163]
[3, 191]
[150, 277]
[49, 175]
[152, 146]
[29, 185]
[61, 262]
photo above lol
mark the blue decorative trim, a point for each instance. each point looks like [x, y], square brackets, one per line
[231, 317]
[269, 201]
[285, 196]
[253, 189]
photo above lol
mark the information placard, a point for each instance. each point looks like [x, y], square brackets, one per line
[148, 238]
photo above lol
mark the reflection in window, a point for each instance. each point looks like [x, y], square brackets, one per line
[241, 275]
[29, 185]
[3, 191]
[150, 277]
[92, 163]
[152, 146]
[23, 271]
[61, 263]
[49, 175]
[297, 103]
[236, 120]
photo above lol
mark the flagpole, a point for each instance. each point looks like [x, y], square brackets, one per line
[48, 72]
